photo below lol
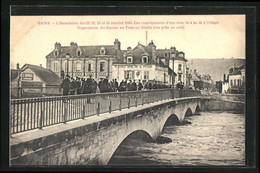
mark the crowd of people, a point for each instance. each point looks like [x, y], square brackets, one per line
[79, 85]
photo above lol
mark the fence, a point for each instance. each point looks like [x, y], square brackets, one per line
[31, 113]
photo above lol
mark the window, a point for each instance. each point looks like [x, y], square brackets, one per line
[146, 75]
[235, 82]
[129, 74]
[179, 68]
[129, 59]
[89, 67]
[165, 54]
[55, 67]
[65, 67]
[78, 53]
[179, 77]
[56, 53]
[145, 60]
[231, 82]
[102, 66]
[78, 67]
[102, 51]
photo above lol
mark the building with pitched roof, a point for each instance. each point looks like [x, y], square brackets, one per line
[236, 79]
[176, 61]
[33, 80]
[148, 63]
[81, 61]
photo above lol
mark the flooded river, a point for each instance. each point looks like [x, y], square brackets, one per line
[212, 138]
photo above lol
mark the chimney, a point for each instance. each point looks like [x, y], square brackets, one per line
[72, 44]
[57, 45]
[40, 65]
[117, 44]
[17, 66]
[129, 49]
[224, 78]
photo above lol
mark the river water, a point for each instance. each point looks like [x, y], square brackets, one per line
[212, 138]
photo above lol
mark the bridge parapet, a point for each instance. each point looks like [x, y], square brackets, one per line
[32, 113]
[94, 139]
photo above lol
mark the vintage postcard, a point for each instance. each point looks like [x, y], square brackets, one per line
[138, 90]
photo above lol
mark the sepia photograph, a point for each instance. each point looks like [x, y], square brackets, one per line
[128, 90]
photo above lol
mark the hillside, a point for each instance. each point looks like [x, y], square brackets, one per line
[214, 67]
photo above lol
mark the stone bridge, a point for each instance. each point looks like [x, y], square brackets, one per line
[92, 141]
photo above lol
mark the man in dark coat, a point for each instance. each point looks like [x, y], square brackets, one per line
[94, 86]
[120, 88]
[134, 87]
[78, 83]
[65, 85]
[73, 86]
[87, 89]
[115, 85]
[140, 85]
[129, 86]
[150, 85]
[155, 85]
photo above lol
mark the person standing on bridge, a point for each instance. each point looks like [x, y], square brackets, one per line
[78, 84]
[65, 85]
[134, 86]
[73, 86]
[140, 85]
[129, 85]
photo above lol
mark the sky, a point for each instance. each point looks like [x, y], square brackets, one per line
[198, 36]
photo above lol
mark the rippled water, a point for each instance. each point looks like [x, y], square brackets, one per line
[212, 138]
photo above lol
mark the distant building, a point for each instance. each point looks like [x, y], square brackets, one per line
[236, 79]
[32, 80]
[224, 85]
[79, 61]
[219, 86]
[144, 63]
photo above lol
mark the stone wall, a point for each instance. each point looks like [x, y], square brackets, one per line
[222, 105]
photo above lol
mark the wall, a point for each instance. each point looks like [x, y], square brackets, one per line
[224, 87]
[156, 73]
[183, 70]
[222, 105]
[73, 67]
[232, 77]
[119, 69]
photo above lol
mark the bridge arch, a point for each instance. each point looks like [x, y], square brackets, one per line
[197, 110]
[173, 119]
[137, 136]
[188, 112]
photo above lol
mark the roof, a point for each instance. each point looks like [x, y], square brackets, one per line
[242, 67]
[194, 77]
[161, 53]
[46, 75]
[171, 72]
[14, 74]
[87, 51]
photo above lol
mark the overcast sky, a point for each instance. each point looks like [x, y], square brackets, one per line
[31, 42]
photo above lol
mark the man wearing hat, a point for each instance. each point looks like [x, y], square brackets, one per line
[65, 85]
